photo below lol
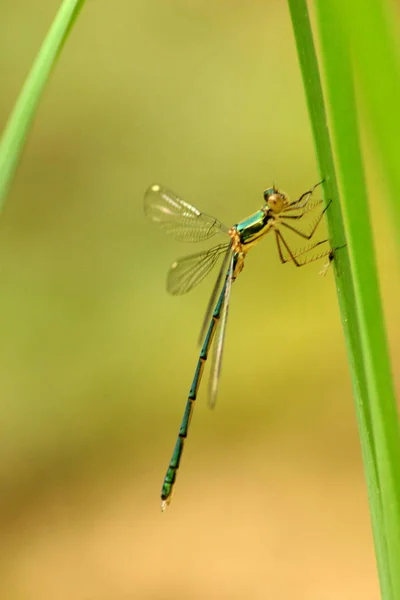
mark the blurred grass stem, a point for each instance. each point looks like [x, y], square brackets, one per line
[20, 121]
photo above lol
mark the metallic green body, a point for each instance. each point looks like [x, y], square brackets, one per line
[170, 475]
[185, 223]
[250, 230]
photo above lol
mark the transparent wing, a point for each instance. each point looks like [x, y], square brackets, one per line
[220, 338]
[178, 218]
[185, 273]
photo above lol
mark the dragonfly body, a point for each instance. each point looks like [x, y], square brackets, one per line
[186, 223]
[170, 476]
[253, 228]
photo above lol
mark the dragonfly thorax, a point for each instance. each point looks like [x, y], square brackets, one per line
[249, 231]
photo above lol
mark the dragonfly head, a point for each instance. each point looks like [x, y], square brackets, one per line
[275, 200]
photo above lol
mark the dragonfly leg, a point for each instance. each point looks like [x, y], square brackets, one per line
[293, 256]
[306, 236]
[327, 252]
[280, 239]
[304, 198]
[303, 211]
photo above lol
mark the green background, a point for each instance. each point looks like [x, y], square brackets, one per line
[96, 359]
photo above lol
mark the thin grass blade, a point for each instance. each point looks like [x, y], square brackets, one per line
[384, 428]
[343, 273]
[378, 80]
[20, 121]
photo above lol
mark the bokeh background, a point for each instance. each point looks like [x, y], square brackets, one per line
[96, 359]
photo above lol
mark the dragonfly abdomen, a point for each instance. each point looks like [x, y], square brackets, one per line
[170, 475]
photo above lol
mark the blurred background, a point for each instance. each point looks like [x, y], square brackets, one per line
[96, 359]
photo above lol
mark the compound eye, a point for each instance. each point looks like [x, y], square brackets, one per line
[269, 192]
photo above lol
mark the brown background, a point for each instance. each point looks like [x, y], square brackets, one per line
[96, 359]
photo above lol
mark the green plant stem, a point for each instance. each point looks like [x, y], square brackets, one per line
[17, 128]
[348, 295]
[385, 430]
[372, 29]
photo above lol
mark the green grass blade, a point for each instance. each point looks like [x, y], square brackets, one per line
[373, 29]
[361, 311]
[17, 128]
[324, 153]
[385, 431]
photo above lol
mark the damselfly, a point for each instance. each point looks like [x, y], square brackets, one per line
[187, 224]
